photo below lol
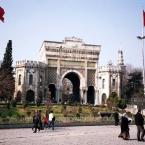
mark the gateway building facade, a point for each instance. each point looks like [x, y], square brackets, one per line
[69, 67]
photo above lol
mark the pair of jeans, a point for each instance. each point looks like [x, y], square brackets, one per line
[140, 132]
[51, 124]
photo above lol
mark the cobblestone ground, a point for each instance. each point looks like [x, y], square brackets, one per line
[85, 135]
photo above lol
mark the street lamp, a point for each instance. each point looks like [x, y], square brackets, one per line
[139, 37]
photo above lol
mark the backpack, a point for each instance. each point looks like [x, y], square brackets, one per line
[53, 119]
[35, 119]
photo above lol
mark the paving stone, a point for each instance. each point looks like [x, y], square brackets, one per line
[80, 135]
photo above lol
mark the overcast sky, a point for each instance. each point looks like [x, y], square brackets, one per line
[113, 24]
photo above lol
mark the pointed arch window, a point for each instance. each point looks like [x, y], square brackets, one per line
[19, 80]
[103, 83]
[30, 79]
[40, 80]
[113, 83]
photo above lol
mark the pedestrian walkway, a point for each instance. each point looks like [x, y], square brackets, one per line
[80, 135]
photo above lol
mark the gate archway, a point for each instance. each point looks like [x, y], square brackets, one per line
[30, 96]
[90, 95]
[52, 89]
[72, 86]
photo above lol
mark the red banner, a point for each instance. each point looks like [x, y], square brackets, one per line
[2, 12]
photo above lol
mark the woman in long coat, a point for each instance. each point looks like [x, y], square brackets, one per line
[125, 127]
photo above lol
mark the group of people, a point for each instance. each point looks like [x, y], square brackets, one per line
[40, 123]
[124, 124]
[48, 120]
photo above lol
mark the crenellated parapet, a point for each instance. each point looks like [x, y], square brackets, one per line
[29, 63]
[110, 68]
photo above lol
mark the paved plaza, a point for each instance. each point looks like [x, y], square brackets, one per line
[82, 135]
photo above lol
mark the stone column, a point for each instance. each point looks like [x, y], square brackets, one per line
[85, 95]
[96, 101]
[58, 81]
[57, 93]
[24, 84]
[81, 96]
[36, 77]
[86, 83]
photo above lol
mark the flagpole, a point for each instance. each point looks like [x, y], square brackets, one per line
[142, 37]
[143, 51]
[143, 71]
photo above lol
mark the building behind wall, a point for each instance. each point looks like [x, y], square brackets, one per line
[71, 64]
[111, 79]
[30, 80]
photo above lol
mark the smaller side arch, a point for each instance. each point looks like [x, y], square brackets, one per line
[19, 96]
[104, 98]
[90, 95]
[52, 90]
[30, 96]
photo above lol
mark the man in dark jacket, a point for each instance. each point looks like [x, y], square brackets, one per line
[35, 122]
[116, 118]
[124, 127]
[139, 121]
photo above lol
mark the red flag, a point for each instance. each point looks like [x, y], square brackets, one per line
[144, 18]
[2, 12]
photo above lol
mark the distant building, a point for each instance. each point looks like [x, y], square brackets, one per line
[111, 79]
[69, 65]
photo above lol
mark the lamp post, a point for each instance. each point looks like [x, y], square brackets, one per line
[142, 38]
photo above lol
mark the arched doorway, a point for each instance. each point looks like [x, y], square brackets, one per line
[90, 95]
[71, 84]
[52, 90]
[30, 96]
[104, 97]
[19, 96]
[40, 97]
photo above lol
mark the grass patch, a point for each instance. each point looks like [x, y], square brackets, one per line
[63, 113]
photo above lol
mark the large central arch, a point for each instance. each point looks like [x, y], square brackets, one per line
[77, 81]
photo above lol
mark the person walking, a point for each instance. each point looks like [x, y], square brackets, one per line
[125, 127]
[51, 120]
[45, 120]
[116, 118]
[35, 122]
[40, 120]
[139, 122]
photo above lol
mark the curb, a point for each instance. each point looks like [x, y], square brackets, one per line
[14, 126]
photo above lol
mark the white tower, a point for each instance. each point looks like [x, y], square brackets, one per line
[120, 58]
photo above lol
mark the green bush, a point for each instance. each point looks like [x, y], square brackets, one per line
[94, 112]
[80, 109]
[20, 114]
[122, 104]
[28, 113]
[10, 113]
[8, 105]
[78, 115]
[5, 120]
[63, 108]
[3, 115]
[14, 103]
[25, 104]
